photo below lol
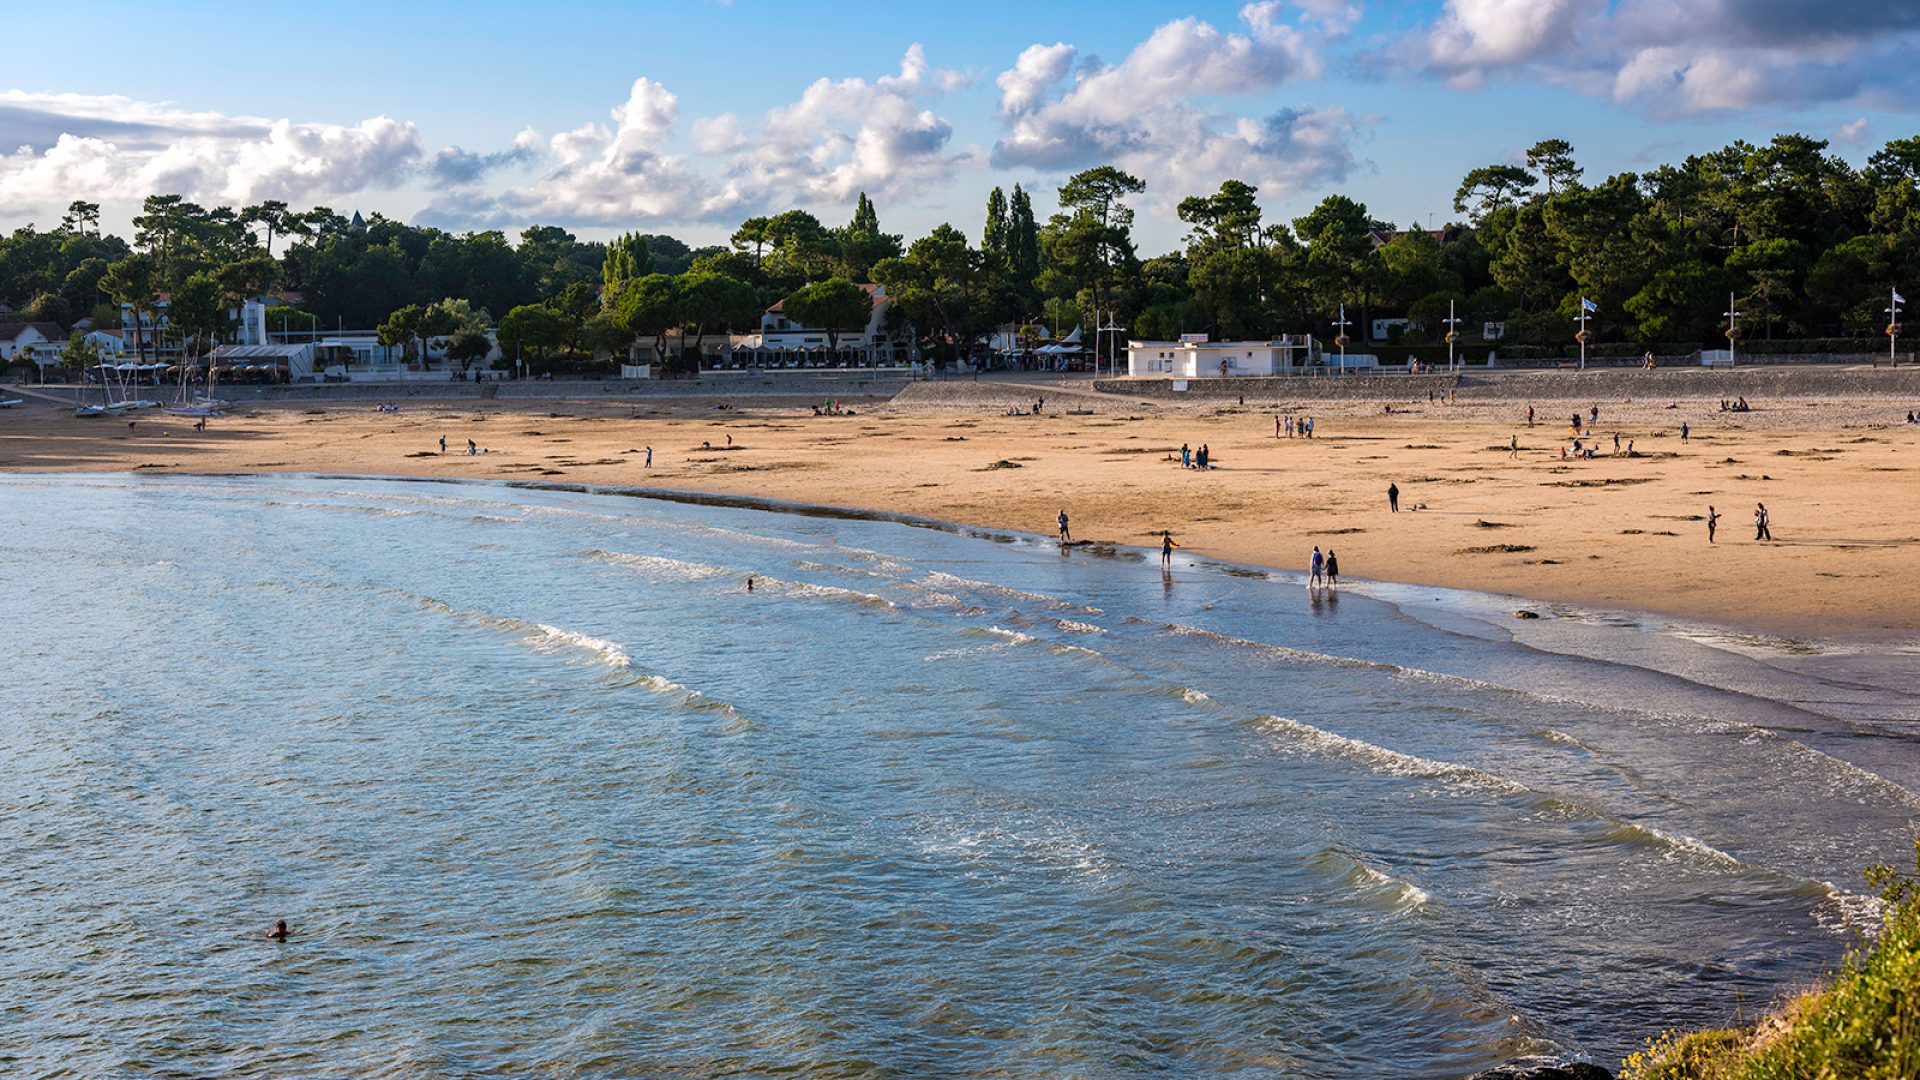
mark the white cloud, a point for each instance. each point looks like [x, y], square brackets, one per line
[718, 134]
[840, 138]
[1853, 132]
[115, 150]
[1679, 57]
[1150, 113]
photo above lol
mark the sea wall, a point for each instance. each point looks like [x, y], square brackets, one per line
[1758, 383]
[805, 385]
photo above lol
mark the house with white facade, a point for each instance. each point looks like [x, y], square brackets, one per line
[784, 342]
[1194, 357]
[42, 339]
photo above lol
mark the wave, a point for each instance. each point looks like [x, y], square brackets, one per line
[1072, 627]
[1393, 762]
[346, 508]
[806, 590]
[1379, 759]
[659, 566]
[600, 650]
[1370, 885]
[943, 580]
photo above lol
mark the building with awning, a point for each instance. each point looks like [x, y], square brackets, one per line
[263, 363]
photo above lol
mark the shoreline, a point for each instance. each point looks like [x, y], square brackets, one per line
[1457, 600]
[1619, 534]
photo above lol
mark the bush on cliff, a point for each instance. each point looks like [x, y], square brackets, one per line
[1866, 1026]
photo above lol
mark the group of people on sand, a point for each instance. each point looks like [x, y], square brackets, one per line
[1736, 405]
[1762, 522]
[1323, 570]
[1293, 427]
[386, 407]
[831, 408]
[1196, 459]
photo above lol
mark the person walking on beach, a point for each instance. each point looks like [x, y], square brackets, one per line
[1529, 415]
[1316, 567]
[1713, 523]
[1393, 497]
[1166, 548]
[649, 463]
[1683, 431]
[1513, 446]
[1276, 426]
[443, 444]
[1333, 570]
[1762, 522]
[1186, 457]
[1066, 536]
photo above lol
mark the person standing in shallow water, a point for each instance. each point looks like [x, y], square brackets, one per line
[279, 931]
[1333, 570]
[1066, 535]
[1316, 568]
[1166, 548]
[1393, 497]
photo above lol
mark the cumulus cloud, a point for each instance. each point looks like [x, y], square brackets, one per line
[454, 167]
[840, 138]
[601, 175]
[117, 150]
[1149, 112]
[1678, 57]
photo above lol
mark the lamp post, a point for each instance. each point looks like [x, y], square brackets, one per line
[1453, 334]
[1733, 331]
[1587, 307]
[1340, 339]
[1893, 326]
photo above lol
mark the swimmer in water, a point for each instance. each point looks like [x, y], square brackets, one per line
[279, 931]
[749, 584]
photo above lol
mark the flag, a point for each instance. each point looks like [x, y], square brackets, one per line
[1588, 305]
[1897, 298]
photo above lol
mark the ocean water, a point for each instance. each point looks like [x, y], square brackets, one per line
[543, 790]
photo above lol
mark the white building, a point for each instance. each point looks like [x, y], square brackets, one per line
[1197, 358]
[784, 342]
[45, 339]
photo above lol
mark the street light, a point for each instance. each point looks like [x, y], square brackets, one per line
[1340, 339]
[1733, 330]
[1587, 307]
[1893, 326]
[1453, 334]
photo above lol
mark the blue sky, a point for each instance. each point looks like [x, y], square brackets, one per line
[687, 117]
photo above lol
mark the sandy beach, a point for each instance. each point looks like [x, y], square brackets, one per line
[1616, 531]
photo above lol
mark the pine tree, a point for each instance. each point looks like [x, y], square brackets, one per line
[994, 238]
[1023, 240]
[626, 259]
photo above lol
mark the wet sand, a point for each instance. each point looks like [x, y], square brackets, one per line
[1616, 531]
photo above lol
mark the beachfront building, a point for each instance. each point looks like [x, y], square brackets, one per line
[35, 338]
[260, 363]
[1194, 357]
[786, 343]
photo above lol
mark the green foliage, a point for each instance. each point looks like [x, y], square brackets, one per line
[835, 306]
[198, 313]
[1865, 1026]
[1809, 245]
[534, 328]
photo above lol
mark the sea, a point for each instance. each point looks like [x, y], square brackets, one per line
[542, 788]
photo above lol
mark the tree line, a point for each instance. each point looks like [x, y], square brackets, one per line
[1806, 246]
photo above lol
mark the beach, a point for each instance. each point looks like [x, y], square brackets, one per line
[1614, 532]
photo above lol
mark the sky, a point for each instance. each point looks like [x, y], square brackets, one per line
[687, 117]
